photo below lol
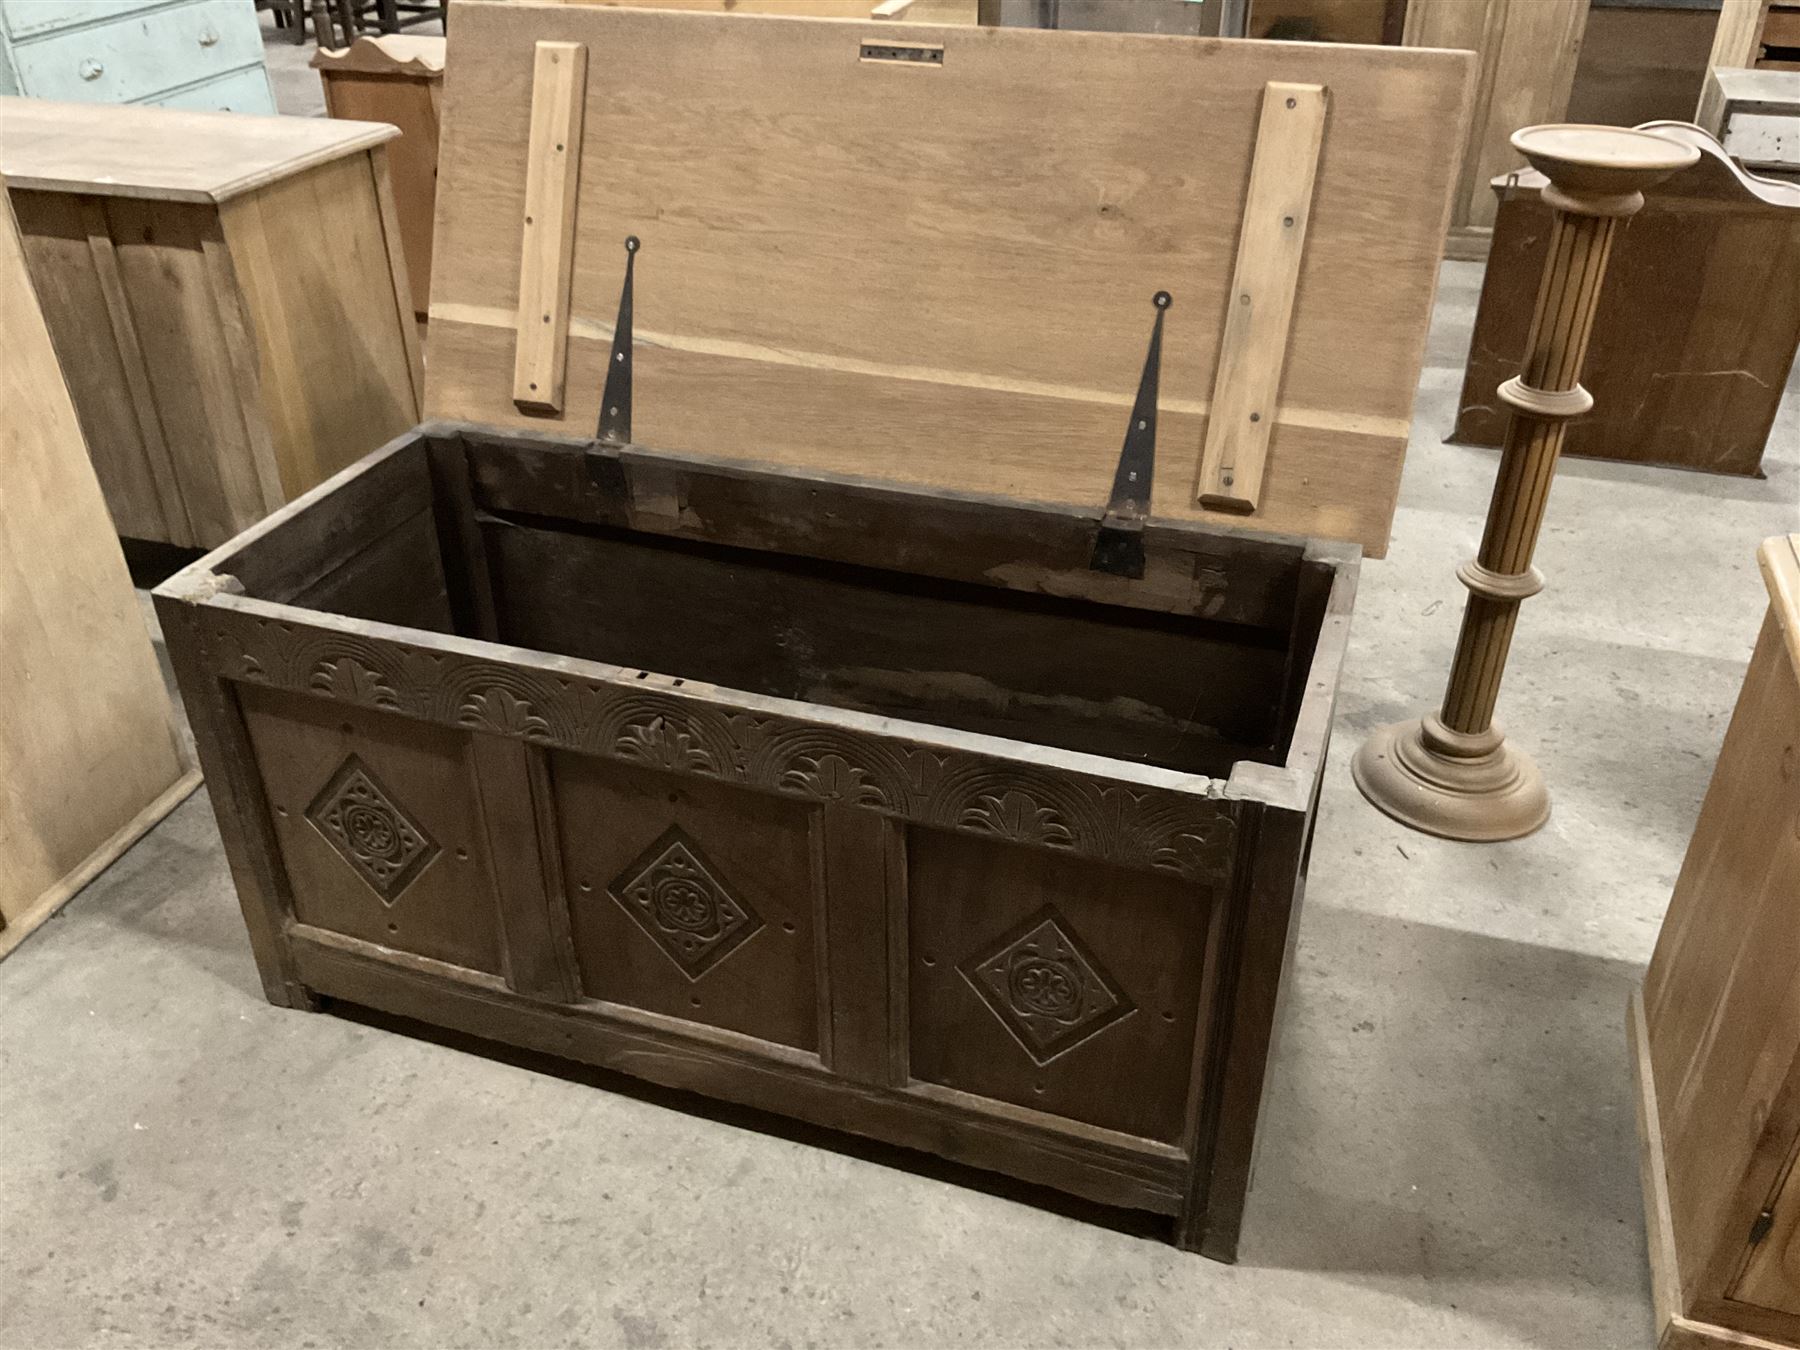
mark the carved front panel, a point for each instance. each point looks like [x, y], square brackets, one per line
[1054, 982]
[690, 898]
[379, 829]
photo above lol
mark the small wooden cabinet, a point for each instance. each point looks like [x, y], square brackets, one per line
[1528, 50]
[1693, 344]
[227, 295]
[1716, 1032]
[397, 79]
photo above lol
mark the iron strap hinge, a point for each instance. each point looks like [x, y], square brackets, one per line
[615, 401]
[1119, 544]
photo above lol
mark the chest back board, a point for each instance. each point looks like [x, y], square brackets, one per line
[940, 270]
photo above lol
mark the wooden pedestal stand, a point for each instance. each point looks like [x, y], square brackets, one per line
[1451, 773]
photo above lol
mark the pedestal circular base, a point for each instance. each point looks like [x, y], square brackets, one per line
[1475, 788]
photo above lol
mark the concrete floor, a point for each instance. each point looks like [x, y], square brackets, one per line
[1448, 1154]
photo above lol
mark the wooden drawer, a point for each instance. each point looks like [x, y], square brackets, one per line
[245, 91]
[139, 56]
[1781, 26]
[29, 18]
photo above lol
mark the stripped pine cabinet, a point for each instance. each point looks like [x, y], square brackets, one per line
[1715, 1038]
[227, 295]
[819, 708]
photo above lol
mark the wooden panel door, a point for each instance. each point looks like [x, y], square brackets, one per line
[1770, 1279]
[190, 327]
[89, 754]
[147, 318]
[409, 102]
[1721, 999]
[1528, 51]
[75, 271]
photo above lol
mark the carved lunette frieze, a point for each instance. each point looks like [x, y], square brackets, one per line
[1189, 835]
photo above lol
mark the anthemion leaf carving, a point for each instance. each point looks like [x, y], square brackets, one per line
[351, 681]
[666, 744]
[833, 778]
[1015, 815]
[1183, 833]
[502, 712]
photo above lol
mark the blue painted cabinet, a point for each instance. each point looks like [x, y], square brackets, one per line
[179, 53]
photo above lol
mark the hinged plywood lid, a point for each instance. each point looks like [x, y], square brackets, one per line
[928, 253]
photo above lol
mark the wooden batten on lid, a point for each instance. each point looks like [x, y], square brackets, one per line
[926, 254]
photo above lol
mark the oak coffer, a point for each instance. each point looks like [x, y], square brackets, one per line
[860, 638]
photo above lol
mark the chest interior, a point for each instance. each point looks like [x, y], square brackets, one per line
[957, 612]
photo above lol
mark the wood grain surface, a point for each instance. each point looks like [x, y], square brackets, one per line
[1721, 1009]
[1696, 331]
[946, 891]
[88, 744]
[1271, 247]
[396, 79]
[941, 273]
[170, 154]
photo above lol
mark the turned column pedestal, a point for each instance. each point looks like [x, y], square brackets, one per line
[1452, 772]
